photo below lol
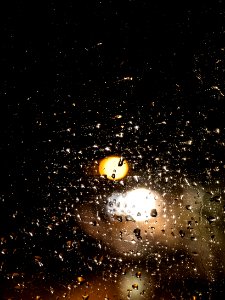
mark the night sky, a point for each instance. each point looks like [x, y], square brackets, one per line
[84, 80]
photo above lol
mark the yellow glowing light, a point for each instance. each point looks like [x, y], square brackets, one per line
[113, 167]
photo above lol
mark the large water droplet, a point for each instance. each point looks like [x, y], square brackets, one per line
[154, 213]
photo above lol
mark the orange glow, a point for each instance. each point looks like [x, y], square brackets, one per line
[113, 167]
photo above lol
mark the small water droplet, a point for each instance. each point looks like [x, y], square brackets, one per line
[80, 279]
[137, 232]
[211, 219]
[213, 237]
[188, 207]
[119, 218]
[154, 213]
[135, 286]
[130, 218]
[138, 274]
[182, 233]
[215, 199]
[129, 294]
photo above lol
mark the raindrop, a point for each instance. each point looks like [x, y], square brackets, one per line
[211, 219]
[130, 218]
[94, 223]
[215, 199]
[129, 294]
[188, 207]
[121, 162]
[154, 213]
[80, 279]
[212, 237]
[119, 218]
[138, 274]
[182, 233]
[137, 232]
[135, 286]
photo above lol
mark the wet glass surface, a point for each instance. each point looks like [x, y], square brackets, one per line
[115, 151]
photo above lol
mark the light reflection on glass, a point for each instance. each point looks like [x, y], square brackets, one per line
[137, 204]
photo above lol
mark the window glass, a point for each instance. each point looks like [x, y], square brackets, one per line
[116, 151]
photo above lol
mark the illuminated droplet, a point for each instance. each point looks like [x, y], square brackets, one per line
[80, 279]
[154, 213]
[138, 274]
[135, 286]
[188, 207]
[182, 233]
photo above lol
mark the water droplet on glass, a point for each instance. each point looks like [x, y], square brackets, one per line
[215, 199]
[135, 286]
[119, 218]
[154, 213]
[137, 232]
[80, 279]
[211, 219]
[182, 233]
[188, 207]
[138, 274]
[130, 218]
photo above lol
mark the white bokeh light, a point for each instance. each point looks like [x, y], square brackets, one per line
[135, 204]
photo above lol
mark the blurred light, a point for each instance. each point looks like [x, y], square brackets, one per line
[136, 204]
[113, 167]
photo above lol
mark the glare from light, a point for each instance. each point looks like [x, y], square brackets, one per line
[136, 204]
[113, 167]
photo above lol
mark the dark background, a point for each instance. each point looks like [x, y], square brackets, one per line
[68, 67]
